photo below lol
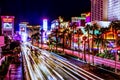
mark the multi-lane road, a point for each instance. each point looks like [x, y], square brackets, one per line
[43, 65]
[90, 58]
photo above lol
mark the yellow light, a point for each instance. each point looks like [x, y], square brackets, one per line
[88, 14]
[61, 19]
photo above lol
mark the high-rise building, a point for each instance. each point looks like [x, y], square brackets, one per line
[105, 10]
[113, 9]
[98, 10]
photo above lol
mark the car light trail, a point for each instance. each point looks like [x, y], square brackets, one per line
[51, 66]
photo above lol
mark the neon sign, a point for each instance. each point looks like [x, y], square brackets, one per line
[7, 19]
[7, 25]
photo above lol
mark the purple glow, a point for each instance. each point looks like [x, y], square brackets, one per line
[87, 19]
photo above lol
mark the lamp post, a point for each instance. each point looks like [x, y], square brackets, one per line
[115, 61]
[117, 52]
[84, 42]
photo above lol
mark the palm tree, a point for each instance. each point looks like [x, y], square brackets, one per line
[65, 31]
[7, 40]
[67, 38]
[70, 37]
[79, 32]
[115, 27]
[87, 28]
[32, 37]
[74, 25]
[56, 34]
[34, 33]
[35, 37]
[93, 28]
[98, 40]
[103, 32]
[84, 42]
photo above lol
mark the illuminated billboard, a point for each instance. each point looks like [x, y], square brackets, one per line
[7, 19]
[22, 30]
[7, 24]
[22, 27]
[45, 24]
[79, 20]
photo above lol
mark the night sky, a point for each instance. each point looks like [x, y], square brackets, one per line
[35, 10]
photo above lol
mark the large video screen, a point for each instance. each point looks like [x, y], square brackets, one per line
[7, 25]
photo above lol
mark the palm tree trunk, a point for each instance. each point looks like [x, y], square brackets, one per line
[63, 42]
[98, 47]
[105, 42]
[84, 52]
[88, 47]
[70, 42]
[56, 39]
[32, 41]
[115, 52]
[93, 47]
[79, 44]
[56, 43]
[98, 42]
[41, 42]
[73, 41]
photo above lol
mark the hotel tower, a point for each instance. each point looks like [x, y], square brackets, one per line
[103, 10]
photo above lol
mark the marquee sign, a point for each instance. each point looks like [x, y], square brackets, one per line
[7, 24]
[7, 18]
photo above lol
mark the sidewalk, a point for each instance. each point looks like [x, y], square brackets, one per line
[15, 71]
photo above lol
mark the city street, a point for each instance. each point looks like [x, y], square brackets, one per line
[60, 40]
[89, 57]
[44, 65]
[95, 70]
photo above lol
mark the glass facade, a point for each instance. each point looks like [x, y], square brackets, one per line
[113, 9]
